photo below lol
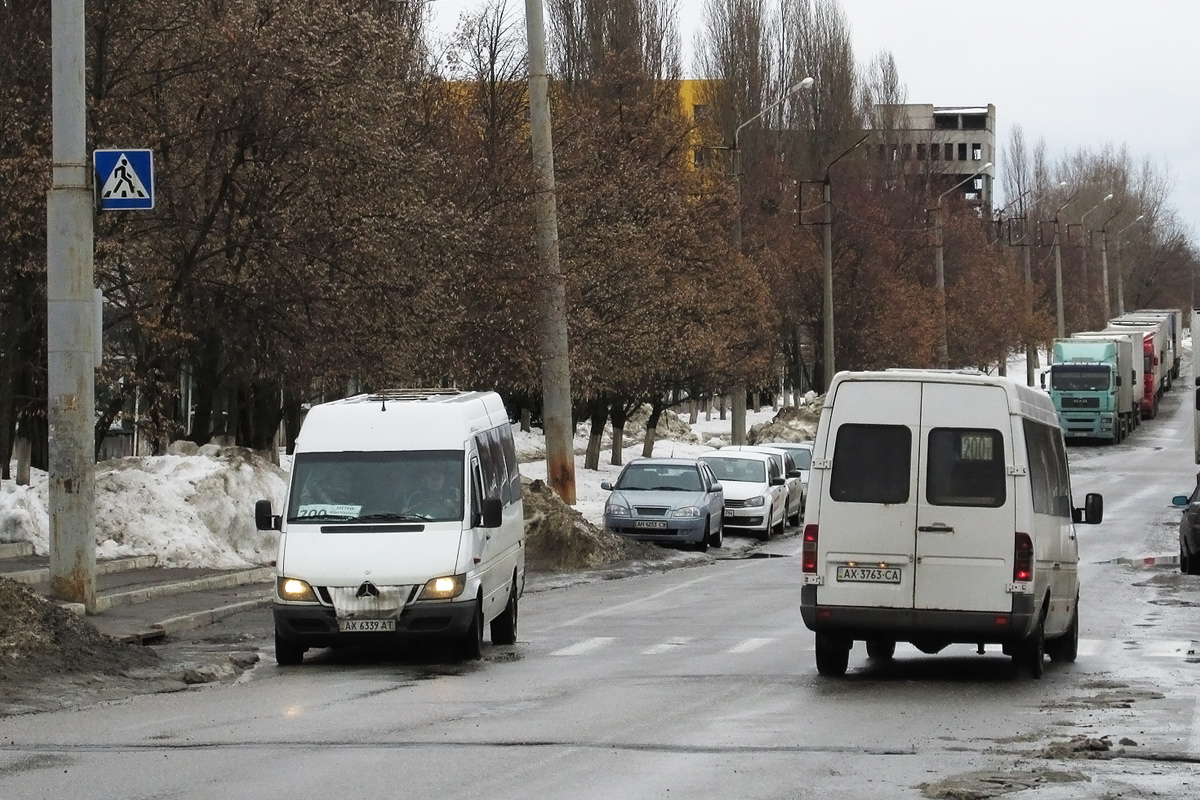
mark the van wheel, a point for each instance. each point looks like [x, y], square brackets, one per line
[470, 646]
[287, 652]
[833, 655]
[1183, 560]
[1030, 654]
[881, 649]
[504, 627]
[1066, 647]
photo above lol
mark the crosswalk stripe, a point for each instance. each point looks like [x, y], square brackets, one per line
[663, 647]
[586, 646]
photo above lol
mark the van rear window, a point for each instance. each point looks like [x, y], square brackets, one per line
[871, 464]
[965, 468]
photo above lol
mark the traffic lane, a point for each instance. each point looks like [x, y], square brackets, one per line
[701, 680]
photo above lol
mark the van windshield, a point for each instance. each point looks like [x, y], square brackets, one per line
[393, 486]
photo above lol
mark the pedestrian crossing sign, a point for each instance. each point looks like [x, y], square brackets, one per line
[124, 179]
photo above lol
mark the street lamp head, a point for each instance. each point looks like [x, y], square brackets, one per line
[804, 84]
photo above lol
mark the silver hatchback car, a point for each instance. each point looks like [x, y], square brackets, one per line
[667, 500]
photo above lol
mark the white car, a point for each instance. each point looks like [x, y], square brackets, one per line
[801, 453]
[791, 475]
[755, 498]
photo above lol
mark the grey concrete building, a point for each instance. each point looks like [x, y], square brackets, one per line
[947, 143]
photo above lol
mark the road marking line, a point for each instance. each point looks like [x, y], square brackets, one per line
[749, 646]
[663, 647]
[1193, 745]
[1159, 649]
[586, 646]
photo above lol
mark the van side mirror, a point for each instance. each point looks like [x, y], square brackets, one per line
[1180, 501]
[264, 520]
[1042, 378]
[1092, 512]
[493, 512]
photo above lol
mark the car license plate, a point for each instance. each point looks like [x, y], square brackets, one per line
[366, 625]
[868, 574]
[651, 523]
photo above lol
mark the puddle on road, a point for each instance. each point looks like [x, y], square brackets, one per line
[982, 785]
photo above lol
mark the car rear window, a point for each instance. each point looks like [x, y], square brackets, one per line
[748, 470]
[965, 468]
[871, 464]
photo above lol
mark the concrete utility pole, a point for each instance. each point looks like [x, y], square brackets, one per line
[939, 271]
[827, 276]
[1120, 270]
[1058, 285]
[737, 433]
[71, 309]
[1104, 263]
[1087, 288]
[556, 365]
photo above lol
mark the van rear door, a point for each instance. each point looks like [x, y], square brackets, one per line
[868, 495]
[965, 506]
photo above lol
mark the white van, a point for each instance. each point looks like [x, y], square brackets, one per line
[403, 519]
[940, 512]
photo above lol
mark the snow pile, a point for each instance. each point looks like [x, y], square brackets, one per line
[191, 508]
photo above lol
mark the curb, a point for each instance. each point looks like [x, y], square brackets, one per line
[225, 581]
[106, 567]
[187, 622]
[1148, 561]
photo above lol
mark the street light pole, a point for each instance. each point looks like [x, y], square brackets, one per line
[939, 272]
[1120, 273]
[1058, 286]
[1104, 262]
[1031, 356]
[1086, 282]
[827, 278]
[737, 433]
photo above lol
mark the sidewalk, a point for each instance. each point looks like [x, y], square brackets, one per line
[139, 601]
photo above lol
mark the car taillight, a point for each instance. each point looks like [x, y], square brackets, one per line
[1023, 558]
[808, 555]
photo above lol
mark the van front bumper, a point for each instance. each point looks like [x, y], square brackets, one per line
[317, 625]
[920, 625]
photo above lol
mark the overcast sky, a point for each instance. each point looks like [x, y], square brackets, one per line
[1077, 73]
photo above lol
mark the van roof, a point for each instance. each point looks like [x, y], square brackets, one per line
[400, 419]
[1022, 400]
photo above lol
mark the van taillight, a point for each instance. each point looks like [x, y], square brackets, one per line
[1023, 558]
[808, 555]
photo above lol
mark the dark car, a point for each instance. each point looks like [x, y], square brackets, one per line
[667, 500]
[1189, 530]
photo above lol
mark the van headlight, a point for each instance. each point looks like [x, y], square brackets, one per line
[690, 511]
[294, 590]
[616, 509]
[754, 502]
[444, 588]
